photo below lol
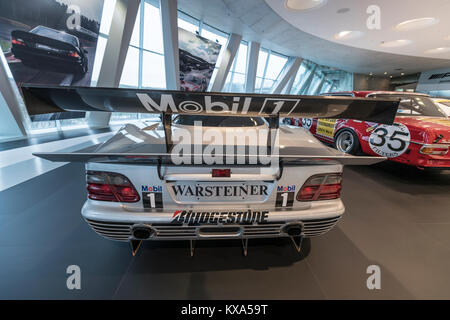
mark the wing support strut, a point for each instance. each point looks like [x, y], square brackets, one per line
[135, 245]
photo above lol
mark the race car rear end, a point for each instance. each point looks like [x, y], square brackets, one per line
[133, 202]
[242, 176]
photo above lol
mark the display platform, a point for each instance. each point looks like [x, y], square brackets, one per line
[398, 219]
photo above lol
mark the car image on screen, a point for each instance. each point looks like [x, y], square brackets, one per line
[43, 46]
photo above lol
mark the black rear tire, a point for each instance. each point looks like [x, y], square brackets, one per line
[347, 141]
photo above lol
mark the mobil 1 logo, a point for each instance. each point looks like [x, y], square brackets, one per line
[285, 196]
[390, 141]
[152, 197]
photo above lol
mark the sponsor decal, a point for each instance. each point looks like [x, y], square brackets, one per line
[307, 123]
[390, 141]
[152, 197]
[205, 104]
[151, 188]
[229, 217]
[325, 127]
[220, 191]
[285, 196]
[285, 189]
[371, 128]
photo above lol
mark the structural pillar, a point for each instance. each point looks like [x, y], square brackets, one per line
[227, 60]
[116, 50]
[252, 66]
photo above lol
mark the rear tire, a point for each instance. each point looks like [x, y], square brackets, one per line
[347, 141]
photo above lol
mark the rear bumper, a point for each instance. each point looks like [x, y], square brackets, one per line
[40, 56]
[117, 224]
[423, 161]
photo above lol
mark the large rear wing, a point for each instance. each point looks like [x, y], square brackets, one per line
[42, 100]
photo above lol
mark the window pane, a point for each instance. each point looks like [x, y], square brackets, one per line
[73, 123]
[153, 72]
[152, 29]
[130, 71]
[123, 116]
[43, 126]
[313, 85]
[187, 25]
[135, 35]
[241, 59]
[267, 86]
[226, 87]
[238, 83]
[262, 58]
[275, 65]
[107, 15]
[212, 34]
[99, 53]
[300, 78]
[258, 84]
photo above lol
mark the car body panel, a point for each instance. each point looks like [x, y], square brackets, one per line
[320, 216]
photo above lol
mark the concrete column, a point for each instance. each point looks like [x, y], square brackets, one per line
[13, 116]
[289, 71]
[227, 60]
[308, 81]
[116, 50]
[169, 20]
[319, 88]
[287, 89]
[252, 66]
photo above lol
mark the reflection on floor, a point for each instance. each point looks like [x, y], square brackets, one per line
[397, 218]
[19, 165]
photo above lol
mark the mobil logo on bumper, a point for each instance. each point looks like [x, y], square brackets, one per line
[285, 188]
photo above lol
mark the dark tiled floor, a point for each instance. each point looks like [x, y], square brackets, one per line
[397, 218]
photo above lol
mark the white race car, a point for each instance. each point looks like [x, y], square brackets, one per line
[153, 182]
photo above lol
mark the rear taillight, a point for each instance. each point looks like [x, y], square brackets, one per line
[321, 187]
[74, 54]
[110, 186]
[19, 42]
[434, 149]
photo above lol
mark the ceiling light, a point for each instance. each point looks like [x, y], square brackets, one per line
[390, 76]
[395, 43]
[416, 24]
[385, 73]
[347, 35]
[302, 5]
[438, 50]
[402, 73]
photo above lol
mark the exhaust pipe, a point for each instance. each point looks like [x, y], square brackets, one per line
[293, 230]
[142, 232]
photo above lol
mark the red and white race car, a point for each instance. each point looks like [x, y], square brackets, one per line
[419, 137]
